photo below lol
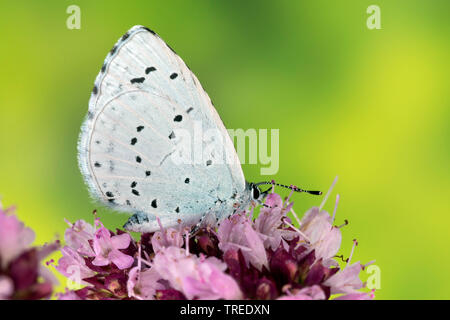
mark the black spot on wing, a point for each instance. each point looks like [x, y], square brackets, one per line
[97, 164]
[103, 68]
[154, 205]
[186, 180]
[111, 166]
[189, 110]
[113, 50]
[140, 128]
[133, 184]
[133, 141]
[177, 210]
[109, 194]
[208, 163]
[173, 75]
[147, 173]
[149, 30]
[135, 192]
[172, 135]
[138, 159]
[149, 69]
[125, 36]
[178, 118]
[137, 80]
[95, 89]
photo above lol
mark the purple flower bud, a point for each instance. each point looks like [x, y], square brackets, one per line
[266, 289]
[283, 266]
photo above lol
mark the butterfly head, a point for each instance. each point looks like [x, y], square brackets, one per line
[257, 194]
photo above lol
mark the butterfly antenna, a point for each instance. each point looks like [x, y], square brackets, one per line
[265, 193]
[293, 188]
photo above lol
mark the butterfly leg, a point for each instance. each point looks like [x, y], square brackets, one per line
[208, 220]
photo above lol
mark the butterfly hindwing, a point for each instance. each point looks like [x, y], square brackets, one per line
[142, 95]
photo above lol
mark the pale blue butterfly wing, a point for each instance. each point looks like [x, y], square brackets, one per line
[143, 94]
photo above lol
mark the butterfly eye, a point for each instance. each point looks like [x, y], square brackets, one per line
[255, 193]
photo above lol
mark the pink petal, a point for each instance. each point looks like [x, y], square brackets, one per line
[173, 265]
[133, 278]
[69, 295]
[6, 287]
[273, 200]
[121, 241]
[193, 288]
[143, 284]
[315, 224]
[329, 245]
[14, 236]
[72, 262]
[308, 293]
[225, 285]
[346, 280]
[102, 241]
[78, 236]
[257, 256]
[100, 261]
[171, 237]
[121, 260]
[236, 232]
[210, 283]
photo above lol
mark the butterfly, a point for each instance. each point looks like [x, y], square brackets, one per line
[143, 96]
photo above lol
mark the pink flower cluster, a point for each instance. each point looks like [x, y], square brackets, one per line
[22, 275]
[266, 257]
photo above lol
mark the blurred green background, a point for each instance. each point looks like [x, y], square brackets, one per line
[371, 106]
